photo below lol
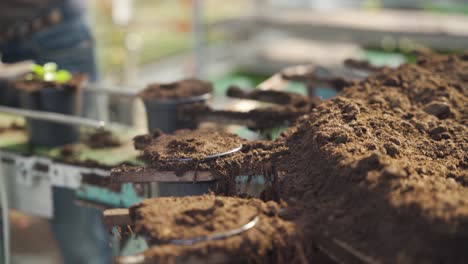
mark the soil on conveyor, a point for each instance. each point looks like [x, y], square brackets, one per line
[189, 144]
[177, 90]
[254, 158]
[381, 170]
[164, 220]
[102, 139]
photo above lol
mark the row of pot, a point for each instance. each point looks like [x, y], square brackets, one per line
[161, 114]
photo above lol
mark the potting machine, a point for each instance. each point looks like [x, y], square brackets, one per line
[32, 173]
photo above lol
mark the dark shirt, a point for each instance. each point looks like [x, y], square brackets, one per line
[18, 11]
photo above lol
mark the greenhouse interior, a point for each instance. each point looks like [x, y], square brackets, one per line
[342, 131]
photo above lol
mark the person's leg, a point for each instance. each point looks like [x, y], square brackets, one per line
[79, 230]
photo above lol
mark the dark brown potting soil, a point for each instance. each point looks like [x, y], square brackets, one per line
[177, 90]
[102, 139]
[383, 167]
[379, 172]
[163, 220]
[188, 144]
[77, 82]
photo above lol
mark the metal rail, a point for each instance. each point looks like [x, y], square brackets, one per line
[119, 91]
[55, 117]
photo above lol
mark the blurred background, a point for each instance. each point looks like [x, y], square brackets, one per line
[144, 41]
[243, 42]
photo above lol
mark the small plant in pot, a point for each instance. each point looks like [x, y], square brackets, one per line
[46, 88]
[162, 101]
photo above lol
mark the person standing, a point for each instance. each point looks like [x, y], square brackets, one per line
[55, 31]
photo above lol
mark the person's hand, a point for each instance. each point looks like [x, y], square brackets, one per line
[13, 70]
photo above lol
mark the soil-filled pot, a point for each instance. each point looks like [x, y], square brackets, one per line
[212, 229]
[162, 114]
[45, 133]
[8, 95]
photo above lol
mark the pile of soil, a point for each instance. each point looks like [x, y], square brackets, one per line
[382, 167]
[102, 139]
[379, 172]
[76, 83]
[163, 220]
[176, 90]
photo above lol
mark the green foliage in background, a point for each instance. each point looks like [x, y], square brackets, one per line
[162, 28]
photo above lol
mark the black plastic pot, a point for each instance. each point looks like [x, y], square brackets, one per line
[45, 133]
[162, 114]
[8, 95]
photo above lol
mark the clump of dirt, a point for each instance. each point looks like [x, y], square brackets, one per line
[102, 139]
[75, 83]
[12, 127]
[436, 85]
[188, 144]
[140, 142]
[163, 220]
[176, 90]
[382, 167]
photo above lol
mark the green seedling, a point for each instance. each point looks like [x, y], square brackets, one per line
[49, 72]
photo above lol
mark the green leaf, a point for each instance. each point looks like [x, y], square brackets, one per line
[38, 70]
[50, 67]
[63, 76]
[50, 76]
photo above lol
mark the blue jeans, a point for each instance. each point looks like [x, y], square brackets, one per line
[79, 230]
